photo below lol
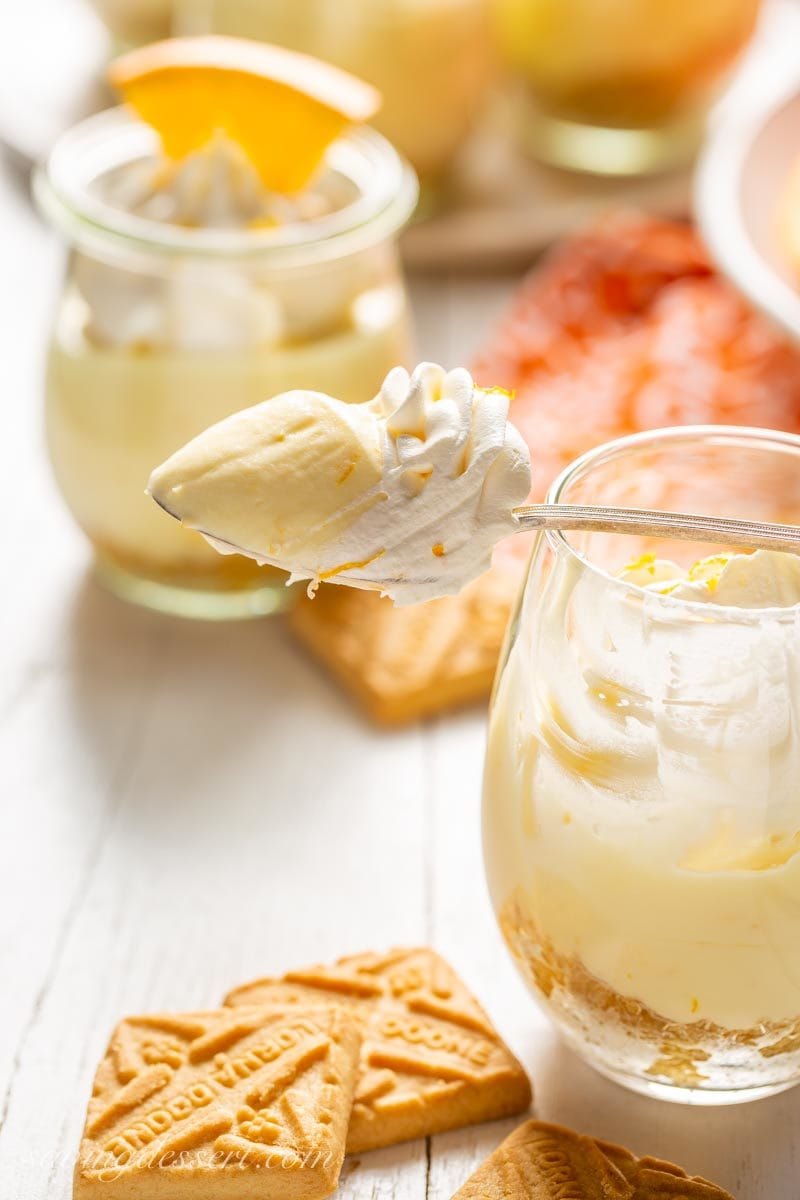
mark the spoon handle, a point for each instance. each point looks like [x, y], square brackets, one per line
[596, 518]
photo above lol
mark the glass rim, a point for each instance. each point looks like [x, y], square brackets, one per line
[387, 195]
[584, 463]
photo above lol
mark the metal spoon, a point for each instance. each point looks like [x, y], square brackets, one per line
[598, 518]
[648, 522]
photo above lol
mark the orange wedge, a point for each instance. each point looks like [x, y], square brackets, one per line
[283, 109]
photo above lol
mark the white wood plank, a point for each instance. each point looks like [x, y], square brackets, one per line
[453, 314]
[253, 822]
[183, 807]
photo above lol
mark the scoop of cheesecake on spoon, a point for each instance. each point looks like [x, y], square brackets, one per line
[406, 494]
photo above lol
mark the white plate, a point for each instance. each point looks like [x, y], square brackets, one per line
[737, 190]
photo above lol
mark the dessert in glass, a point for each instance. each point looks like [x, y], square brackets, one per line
[620, 88]
[193, 290]
[641, 805]
[431, 59]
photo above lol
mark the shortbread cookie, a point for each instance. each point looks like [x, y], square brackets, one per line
[402, 664]
[430, 1058]
[224, 1105]
[548, 1162]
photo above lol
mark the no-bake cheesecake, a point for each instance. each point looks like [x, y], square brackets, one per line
[212, 266]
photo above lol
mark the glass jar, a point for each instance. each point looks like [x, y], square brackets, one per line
[133, 22]
[620, 88]
[162, 330]
[641, 803]
[431, 59]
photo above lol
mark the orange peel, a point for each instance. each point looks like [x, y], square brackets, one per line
[282, 108]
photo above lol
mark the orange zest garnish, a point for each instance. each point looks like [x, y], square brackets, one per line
[283, 109]
[349, 566]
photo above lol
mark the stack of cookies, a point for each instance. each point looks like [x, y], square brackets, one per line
[262, 1098]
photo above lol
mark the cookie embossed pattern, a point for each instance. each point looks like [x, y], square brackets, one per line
[548, 1162]
[430, 1058]
[202, 1104]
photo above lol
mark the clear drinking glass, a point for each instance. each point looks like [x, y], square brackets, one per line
[620, 88]
[642, 785]
[431, 59]
[162, 330]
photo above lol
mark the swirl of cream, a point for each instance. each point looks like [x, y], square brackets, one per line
[453, 470]
[201, 303]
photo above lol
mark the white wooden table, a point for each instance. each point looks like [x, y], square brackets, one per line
[185, 806]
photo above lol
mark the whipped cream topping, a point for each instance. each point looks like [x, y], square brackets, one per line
[217, 187]
[453, 469]
[200, 304]
[406, 495]
[192, 306]
[765, 579]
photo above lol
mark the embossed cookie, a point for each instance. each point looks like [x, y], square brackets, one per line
[548, 1162]
[226, 1105]
[430, 1059]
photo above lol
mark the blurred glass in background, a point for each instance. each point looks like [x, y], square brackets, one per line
[617, 87]
[431, 59]
[620, 86]
[180, 307]
[132, 22]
